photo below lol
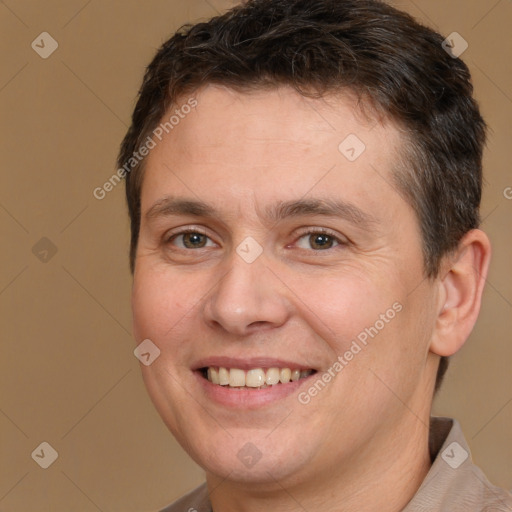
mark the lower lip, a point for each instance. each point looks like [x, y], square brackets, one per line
[249, 397]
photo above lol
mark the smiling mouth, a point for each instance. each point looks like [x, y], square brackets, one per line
[256, 378]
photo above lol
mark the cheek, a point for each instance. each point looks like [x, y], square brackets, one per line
[160, 302]
[341, 307]
[373, 322]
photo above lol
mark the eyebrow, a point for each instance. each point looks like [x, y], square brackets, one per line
[168, 206]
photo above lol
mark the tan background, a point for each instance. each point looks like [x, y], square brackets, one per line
[68, 375]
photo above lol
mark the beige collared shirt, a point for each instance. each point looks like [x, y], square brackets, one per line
[453, 484]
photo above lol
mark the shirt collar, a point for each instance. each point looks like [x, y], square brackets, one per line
[453, 482]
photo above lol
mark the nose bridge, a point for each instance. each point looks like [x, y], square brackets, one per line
[247, 295]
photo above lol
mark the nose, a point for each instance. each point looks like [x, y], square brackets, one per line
[249, 297]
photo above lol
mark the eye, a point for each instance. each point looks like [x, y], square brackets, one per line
[190, 239]
[319, 240]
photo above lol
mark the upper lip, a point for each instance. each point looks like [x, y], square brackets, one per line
[250, 363]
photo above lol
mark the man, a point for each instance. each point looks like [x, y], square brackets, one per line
[303, 180]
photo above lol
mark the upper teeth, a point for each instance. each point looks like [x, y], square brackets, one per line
[254, 378]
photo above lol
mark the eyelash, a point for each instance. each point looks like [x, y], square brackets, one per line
[310, 231]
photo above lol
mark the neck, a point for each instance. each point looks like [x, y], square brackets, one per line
[384, 477]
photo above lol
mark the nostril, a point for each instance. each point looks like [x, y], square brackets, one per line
[258, 323]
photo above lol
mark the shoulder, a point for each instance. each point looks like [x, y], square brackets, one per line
[195, 501]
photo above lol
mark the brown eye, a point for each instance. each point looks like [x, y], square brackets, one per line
[194, 240]
[190, 240]
[318, 241]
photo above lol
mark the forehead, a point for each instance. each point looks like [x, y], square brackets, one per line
[272, 144]
[271, 117]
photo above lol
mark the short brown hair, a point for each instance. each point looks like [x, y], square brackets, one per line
[388, 59]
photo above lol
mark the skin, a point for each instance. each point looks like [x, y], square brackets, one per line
[362, 442]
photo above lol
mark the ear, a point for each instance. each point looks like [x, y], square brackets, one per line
[461, 284]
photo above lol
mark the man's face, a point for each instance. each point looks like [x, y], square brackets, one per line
[262, 274]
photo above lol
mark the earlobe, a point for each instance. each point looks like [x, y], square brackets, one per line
[461, 286]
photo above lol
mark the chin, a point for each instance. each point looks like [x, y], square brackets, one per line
[248, 458]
